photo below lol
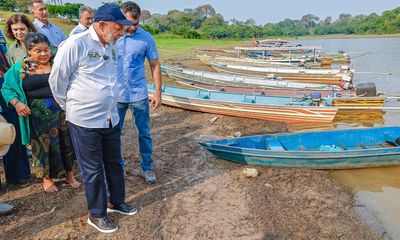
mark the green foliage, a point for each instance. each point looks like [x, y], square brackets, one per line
[204, 22]
[186, 32]
[117, 2]
[150, 29]
[388, 23]
[8, 4]
[69, 10]
[22, 5]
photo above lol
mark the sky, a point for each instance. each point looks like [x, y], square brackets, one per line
[267, 11]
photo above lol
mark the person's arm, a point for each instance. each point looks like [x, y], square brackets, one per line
[21, 108]
[155, 66]
[65, 62]
[9, 92]
[157, 77]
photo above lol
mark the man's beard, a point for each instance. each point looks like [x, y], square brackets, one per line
[109, 38]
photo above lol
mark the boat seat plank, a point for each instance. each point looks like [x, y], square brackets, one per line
[389, 138]
[202, 96]
[274, 145]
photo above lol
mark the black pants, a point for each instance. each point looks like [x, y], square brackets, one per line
[98, 151]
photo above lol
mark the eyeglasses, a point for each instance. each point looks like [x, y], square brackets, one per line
[135, 24]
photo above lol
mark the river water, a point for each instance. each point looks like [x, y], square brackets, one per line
[376, 190]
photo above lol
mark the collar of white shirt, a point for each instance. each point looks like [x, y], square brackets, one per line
[81, 26]
[95, 37]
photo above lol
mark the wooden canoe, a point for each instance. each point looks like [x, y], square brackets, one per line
[206, 59]
[316, 76]
[284, 109]
[238, 80]
[336, 149]
[343, 101]
[216, 82]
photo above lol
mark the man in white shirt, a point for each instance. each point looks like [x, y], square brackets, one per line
[39, 10]
[83, 81]
[85, 20]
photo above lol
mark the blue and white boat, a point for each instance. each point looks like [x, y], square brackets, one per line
[334, 149]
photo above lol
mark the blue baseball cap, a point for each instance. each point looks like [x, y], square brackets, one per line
[111, 13]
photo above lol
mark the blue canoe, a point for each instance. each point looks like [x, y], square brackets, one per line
[335, 149]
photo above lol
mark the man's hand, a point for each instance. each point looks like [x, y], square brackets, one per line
[22, 109]
[156, 101]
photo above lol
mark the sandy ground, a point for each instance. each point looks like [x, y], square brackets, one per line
[198, 196]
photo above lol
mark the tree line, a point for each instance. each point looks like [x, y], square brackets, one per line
[205, 22]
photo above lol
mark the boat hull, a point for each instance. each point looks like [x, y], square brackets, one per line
[319, 162]
[242, 81]
[333, 79]
[262, 62]
[339, 101]
[334, 149]
[282, 113]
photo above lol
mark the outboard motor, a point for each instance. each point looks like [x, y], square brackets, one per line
[316, 98]
[367, 89]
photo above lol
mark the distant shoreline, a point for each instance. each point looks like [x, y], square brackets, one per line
[340, 36]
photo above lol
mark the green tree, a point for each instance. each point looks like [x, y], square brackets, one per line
[8, 4]
[22, 5]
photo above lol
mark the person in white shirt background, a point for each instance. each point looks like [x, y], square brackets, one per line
[83, 81]
[85, 20]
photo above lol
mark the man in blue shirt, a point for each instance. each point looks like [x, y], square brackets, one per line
[39, 10]
[133, 48]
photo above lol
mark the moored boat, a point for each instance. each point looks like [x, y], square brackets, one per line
[244, 85]
[238, 80]
[285, 109]
[335, 149]
[260, 62]
[319, 76]
[332, 98]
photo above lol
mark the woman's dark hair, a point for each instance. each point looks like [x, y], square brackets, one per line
[35, 38]
[18, 18]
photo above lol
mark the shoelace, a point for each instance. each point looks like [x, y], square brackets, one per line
[107, 220]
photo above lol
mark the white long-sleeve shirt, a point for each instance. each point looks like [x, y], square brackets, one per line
[83, 81]
[78, 29]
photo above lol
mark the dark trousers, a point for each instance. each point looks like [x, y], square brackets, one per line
[98, 151]
[16, 164]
